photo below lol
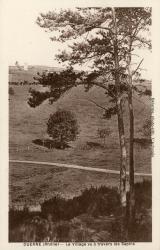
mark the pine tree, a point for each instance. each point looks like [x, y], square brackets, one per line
[104, 37]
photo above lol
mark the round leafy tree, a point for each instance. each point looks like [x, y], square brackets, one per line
[62, 127]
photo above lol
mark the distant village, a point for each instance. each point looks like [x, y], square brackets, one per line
[26, 74]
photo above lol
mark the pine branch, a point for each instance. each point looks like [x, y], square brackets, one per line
[98, 105]
[137, 67]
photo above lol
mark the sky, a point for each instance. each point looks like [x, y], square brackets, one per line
[28, 43]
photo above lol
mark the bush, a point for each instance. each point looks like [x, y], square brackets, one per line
[94, 201]
[95, 215]
[11, 91]
[62, 127]
[103, 133]
[147, 128]
[143, 195]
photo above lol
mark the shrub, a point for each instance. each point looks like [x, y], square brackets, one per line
[95, 201]
[11, 91]
[95, 215]
[147, 128]
[25, 82]
[143, 195]
[103, 133]
[62, 127]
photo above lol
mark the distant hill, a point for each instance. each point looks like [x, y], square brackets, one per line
[18, 74]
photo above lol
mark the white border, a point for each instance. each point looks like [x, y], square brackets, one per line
[155, 4]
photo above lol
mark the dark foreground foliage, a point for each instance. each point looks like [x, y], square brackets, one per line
[95, 215]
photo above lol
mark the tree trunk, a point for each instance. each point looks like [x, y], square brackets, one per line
[131, 150]
[123, 150]
[123, 162]
[61, 142]
[104, 141]
[131, 203]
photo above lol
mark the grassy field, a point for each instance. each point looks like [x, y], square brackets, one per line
[27, 124]
[32, 184]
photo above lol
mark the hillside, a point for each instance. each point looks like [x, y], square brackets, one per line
[28, 124]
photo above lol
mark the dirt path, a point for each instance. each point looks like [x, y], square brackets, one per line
[101, 170]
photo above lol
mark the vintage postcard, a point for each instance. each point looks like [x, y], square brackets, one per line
[80, 124]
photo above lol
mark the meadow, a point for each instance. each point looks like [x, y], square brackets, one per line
[27, 124]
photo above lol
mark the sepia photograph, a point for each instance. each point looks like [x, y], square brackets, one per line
[81, 123]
